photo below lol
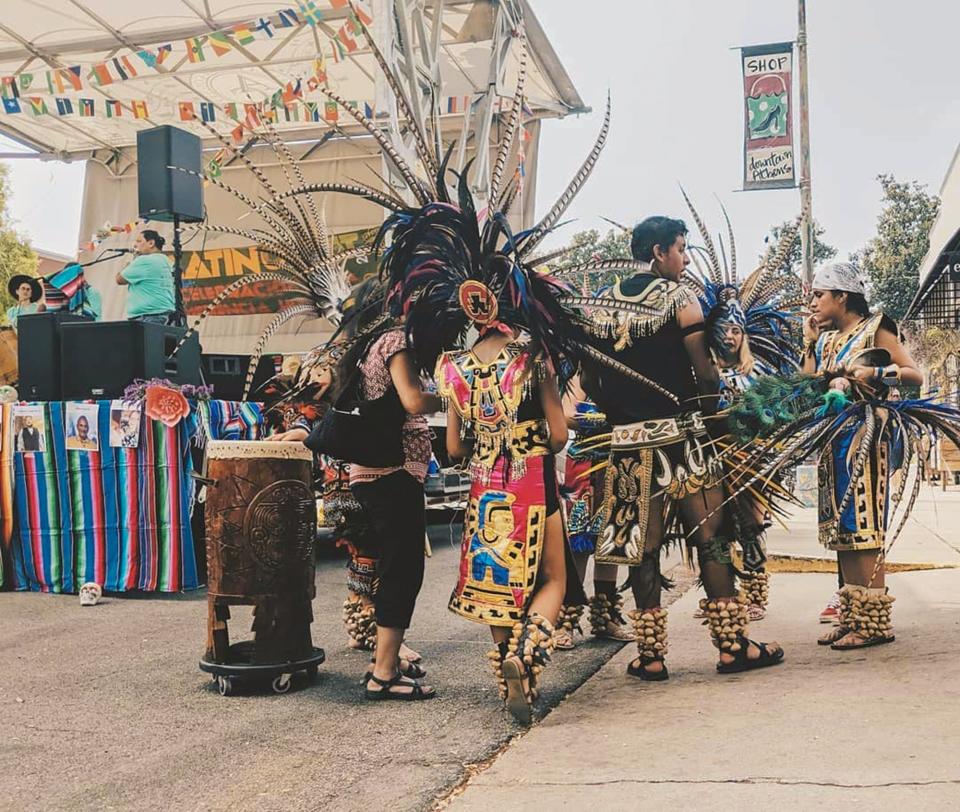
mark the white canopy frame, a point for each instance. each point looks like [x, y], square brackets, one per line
[465, 48]
[458, 40]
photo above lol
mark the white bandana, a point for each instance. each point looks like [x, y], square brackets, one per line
[839, 276]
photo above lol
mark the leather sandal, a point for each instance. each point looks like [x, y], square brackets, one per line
[415, 694]
[563, 640]
[741, 662]
[519, 699]
[411, 671]
[833, 635]
[648, 676]
[879, 640]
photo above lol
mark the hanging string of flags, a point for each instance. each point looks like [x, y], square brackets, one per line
[108, 230]
[31, 85]
[293, 106]
[286, 104]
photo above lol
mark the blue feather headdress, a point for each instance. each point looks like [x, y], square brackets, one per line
[765, 305]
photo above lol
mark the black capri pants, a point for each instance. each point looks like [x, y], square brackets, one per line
[396, 524]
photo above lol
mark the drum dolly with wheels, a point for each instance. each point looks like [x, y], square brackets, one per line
[228, 677]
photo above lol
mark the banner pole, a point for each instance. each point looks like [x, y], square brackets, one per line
[806, 196]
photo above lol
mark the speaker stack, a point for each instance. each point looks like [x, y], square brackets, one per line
[67, 357]
[38, 353]
[99, 360]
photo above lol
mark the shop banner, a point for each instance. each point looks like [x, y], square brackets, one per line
[768, 161]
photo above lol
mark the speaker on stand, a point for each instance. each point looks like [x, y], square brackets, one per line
[166, 194]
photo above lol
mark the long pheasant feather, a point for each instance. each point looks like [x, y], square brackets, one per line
[553, 216]
[496, 177]
[412, 181]
[404, 107]
[279, 320]
[716, 273]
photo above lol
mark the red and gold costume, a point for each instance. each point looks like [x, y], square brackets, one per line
[513, 481]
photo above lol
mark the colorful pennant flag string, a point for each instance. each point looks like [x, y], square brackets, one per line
[214, 45]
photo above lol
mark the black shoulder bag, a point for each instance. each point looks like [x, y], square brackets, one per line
[366, 432]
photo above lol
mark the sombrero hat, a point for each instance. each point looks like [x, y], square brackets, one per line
[36, 289]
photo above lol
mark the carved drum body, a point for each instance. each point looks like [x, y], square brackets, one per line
[260, 528]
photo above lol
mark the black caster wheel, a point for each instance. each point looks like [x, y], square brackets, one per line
[281, 684]
[312, 672]
[226, 686]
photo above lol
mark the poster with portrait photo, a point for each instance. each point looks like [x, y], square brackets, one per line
[82, 428]
[125, 424]
[29, 429]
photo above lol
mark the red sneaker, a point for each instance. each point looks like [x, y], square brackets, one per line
[831, 614]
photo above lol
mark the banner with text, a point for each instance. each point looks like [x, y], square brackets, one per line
[207, 272]
[768, 111]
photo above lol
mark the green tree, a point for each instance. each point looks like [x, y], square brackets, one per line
[933, 348]
[16, 255]
[822, 251]
[891, 260]
[587, 246]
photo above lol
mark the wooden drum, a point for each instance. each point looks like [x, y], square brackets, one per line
[261, 522]
[9, 369]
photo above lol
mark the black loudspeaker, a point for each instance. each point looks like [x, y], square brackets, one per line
[228, 373]
[166, 193]
[100, 359]
[38, 352]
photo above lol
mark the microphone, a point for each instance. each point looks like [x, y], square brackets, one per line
[123, 250]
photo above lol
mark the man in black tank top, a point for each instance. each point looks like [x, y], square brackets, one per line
[662, 464]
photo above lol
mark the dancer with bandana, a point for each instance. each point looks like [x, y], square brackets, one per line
[840, 411]
[661, 455]
[840, 336]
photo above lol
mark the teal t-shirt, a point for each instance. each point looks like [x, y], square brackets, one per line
[18, 310]
[150, 285]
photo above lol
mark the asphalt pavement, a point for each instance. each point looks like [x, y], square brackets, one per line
[105, 708]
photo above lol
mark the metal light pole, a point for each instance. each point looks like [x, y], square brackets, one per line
[806, 197]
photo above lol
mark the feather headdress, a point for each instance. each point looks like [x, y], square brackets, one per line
[764, 305]
[309, 274]
[446, 266]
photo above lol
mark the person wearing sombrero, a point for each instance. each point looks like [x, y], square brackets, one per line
[28, 293]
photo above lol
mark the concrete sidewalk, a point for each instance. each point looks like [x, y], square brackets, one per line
[931, 534]
[880, 727]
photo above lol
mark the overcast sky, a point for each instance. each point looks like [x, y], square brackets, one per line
[885, 97]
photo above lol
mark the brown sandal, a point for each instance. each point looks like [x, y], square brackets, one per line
[833, 635]
[867, 642]
[519, 699]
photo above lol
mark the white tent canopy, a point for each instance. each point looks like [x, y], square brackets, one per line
[40, 37]
[262, 53]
